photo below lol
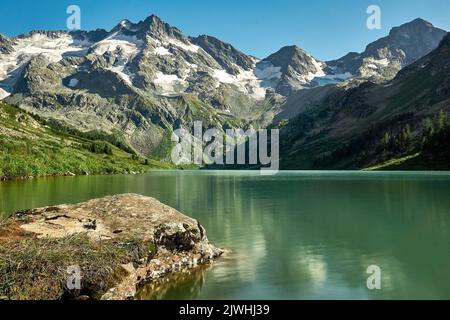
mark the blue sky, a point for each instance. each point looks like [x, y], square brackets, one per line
[327, 29]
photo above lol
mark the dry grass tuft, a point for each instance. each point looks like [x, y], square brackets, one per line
[36, 269]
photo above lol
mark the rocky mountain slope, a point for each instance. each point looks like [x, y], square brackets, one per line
[304, 81]
[370, 124]
[140, 81]
[385, 57]
[380, 62]
[290, 69]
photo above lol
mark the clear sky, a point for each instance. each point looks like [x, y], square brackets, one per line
[327, 29]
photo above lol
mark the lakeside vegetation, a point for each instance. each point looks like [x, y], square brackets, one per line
[34, 147]
[36, 269]
[428, 150]
[404, 144]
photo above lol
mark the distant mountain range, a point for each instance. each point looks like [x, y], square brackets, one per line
[403, 123]
[140, 81]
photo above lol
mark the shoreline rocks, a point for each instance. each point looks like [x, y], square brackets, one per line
[172, 241]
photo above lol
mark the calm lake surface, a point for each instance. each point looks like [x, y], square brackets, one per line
[296, 235]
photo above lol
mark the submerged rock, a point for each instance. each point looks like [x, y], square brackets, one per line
[173, 241]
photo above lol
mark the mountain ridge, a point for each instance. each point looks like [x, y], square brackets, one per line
[372, 123]
[147, 79]
[388, 55]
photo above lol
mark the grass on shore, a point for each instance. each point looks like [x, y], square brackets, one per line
[392, 163]
[36, 269]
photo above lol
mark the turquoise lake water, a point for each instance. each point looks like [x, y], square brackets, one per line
[296, 235]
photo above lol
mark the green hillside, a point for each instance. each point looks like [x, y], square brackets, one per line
[33, 147]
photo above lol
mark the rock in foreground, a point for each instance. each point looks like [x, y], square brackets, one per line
[146, 239]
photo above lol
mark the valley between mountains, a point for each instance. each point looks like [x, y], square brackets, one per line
[112, 99]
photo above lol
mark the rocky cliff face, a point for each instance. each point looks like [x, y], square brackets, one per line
[230, 59]
[6, 45]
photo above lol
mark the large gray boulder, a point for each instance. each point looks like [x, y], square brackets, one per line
[173, 241]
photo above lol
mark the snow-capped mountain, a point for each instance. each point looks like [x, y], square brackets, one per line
[142, 80]
[346, 130]
[380, 62]
[384, 58]
[292, 69]
[149, 55]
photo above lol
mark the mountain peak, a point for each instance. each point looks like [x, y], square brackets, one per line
[224, 53]
[125, 23]
[154, 19]
[297, 67]
[413, 27]
[419, 21]
[292, 49]
[384, 57]
[156, 26]
[152, 25]
[288, 55]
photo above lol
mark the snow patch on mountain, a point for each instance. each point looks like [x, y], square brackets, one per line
[126, 24]
[383, 62]
[332, 78]
[125, 49]
[319, 69]
[73, 82]
[187, 47]
[128, 46]
[25, 48]
[123, 73]
[224, 77]
[3, 94]
[330, 75]
[305, 79]
[162, 51]
[372, 66]
[170, 84]
[245, 81]
[267, 71]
